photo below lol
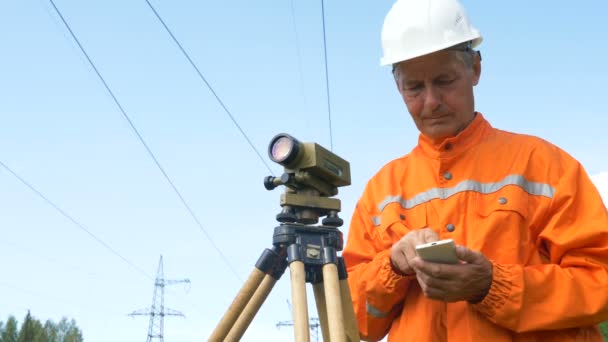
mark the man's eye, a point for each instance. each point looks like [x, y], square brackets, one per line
[413, 88]
[445, 82]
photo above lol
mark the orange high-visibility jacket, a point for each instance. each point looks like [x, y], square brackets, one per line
[528, 206]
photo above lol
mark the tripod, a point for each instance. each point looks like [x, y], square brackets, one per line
[311, 253]
[312, 176]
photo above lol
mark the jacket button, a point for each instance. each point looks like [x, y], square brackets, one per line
[502, 200]
[450, 227]
[447, 175]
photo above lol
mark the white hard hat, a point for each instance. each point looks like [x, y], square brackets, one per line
[413, 28]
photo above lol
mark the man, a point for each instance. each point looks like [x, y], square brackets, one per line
[531, 229]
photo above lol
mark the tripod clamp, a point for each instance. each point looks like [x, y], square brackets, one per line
[313, 245]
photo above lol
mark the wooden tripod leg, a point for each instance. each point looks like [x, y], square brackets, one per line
[350, 320]
[334, 303]
[300, 305]
[239, 302]
[319, 293]
[258, 298]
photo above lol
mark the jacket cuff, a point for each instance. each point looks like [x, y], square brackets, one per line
[387, 290]
[499, 291]
[393, 281]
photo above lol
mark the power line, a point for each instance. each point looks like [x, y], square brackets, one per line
[28, 292]
[331, 138]
[78, 224]
[62, 212]
[33, 252]
[299, 54]
[179, 45]
[141, 139]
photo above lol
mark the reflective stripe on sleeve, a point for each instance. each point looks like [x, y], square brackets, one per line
[376, 220]
[372, 311]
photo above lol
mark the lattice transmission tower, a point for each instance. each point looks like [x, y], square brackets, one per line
[158, 311]
[313, 324]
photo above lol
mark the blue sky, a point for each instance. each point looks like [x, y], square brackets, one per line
[543, 74]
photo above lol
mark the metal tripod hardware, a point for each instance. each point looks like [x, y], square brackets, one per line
[310, 252]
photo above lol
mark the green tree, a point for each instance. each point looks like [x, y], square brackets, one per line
[50, 333]
[10, 333]
[31, 330]
[27, 333]
[69, 331]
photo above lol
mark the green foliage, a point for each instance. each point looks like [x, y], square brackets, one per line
[68, 331]
[32, 330]
[604, 330]
[10, 332]
[50, 332]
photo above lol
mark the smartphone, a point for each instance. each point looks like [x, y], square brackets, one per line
[443, 252]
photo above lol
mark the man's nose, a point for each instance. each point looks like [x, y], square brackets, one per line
[432, 98]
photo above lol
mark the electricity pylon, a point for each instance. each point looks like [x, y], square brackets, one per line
[158, 311]
[313, 324]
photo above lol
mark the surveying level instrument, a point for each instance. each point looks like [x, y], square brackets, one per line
[312, 175]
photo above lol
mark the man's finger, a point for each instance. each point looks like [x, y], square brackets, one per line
[409, 252]
[468, 255]
[429, 235]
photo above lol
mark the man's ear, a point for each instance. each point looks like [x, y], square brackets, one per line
[476, 68]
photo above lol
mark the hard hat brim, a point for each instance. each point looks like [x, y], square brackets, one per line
[475, 42]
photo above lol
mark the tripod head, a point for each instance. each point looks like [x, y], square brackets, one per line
[312, 175]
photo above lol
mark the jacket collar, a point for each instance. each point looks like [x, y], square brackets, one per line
[465, 140]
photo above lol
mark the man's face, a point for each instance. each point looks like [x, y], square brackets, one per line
[438, 92]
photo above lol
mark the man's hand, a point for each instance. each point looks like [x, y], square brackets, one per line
[470, 280]
[404, 250]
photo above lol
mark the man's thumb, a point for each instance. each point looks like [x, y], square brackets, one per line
[467, 255]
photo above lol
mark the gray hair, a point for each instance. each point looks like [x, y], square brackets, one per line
[465, 54]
